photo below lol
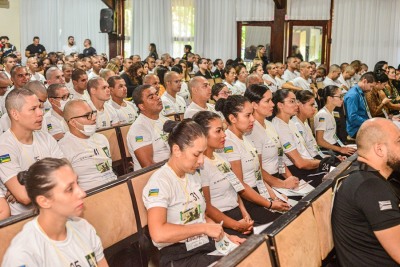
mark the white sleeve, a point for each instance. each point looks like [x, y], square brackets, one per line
[55, 126]
[231, 151]
[95, 242]
[18, 256]
[10, 165]
[54, 148]
[156, 193]
[287, 139]
[140, 137]
[205, 175]
[320, 122]
[113, 116]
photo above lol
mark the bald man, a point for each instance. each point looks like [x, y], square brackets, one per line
[333, 75]
[365, 215]
[32, 65]
[88, 151]
[302, 82]
[54, 75]
[23, 144]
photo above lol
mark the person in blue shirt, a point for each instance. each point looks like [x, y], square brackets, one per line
[355, 104]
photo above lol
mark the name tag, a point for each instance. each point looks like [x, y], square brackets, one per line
[262, 189]
[196, 241]
[234, 181]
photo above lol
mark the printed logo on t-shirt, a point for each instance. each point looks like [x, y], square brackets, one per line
[5, 158]
[106, 151]
[228, 149]
[49, 126]
[153, 192]
[321, 119]
[139, 139]
[103, 167]
[91, 259]
[167, 107]
[287, 145]
[385, 205]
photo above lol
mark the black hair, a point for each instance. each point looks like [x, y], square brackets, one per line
[255, 92]
[203, 118]
[215, 63]
[112, 80]
[183, 133]
[38, 179]
[369, 76]
[177, 68]
[230, 106]
[379, 65]
[279, 97]
[380, 76]
[137, 94]
[216, 88]
[303, 96]
[329, 90]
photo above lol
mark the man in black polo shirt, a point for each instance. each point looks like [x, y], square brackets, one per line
[35, 49]
[365, 215]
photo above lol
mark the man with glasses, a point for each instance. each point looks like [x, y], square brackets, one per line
[147, 142]
[172, 102]
[88, 151]
[23, 144]
[58, 96]
[200, 91]
[99, 93]
[126, 110]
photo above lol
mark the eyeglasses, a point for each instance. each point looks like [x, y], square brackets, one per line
[339, 96]
[64, 97]
[88, 115]
[225, 93]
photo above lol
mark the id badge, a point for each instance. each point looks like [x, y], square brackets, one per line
[225, 246]
[234, 181]
[190, 214]
[338, 141]
[262, 189]
[281, 164]
[319, 151]
[196, 241]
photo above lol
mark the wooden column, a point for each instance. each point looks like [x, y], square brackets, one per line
[278, 32]
[117, 37]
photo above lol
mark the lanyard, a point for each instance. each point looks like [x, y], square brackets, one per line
[332, 118]
[300, 137]
[365, 104]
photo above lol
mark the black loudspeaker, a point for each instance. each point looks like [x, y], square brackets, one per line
[107, 20]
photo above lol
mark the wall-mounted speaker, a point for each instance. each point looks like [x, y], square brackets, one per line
[106, 20]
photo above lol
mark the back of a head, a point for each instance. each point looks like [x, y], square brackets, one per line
[255, 92]
[334, 68]
[195, 82]
[53, 89]
[253, 79]
[183, 133]
[230, 106]
[380, 76]
[36, 87]
[369, 76]
[16, 99]
[379, 65]
[371, 132]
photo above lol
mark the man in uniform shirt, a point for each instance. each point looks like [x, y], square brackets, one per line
[172, 102]
[88, 151]
[291, 71]
[54, 76]
[302, 82]
[9, 62]
[333, 75]
[67, 70]
[147, 142]
[96, 67]
[19, 76]
[58, 96]
[126, 110]
[32, 65]
[23, 144]
[99, 93]
[79, 80]
[35, 49]
[365, 214]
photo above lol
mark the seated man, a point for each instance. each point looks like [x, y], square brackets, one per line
[23, 144]
[172, 102]
[88, 151]
[146, 139]
[365, 214]
[126, 110]
[100, 93]
[59, 96]
[79, 81]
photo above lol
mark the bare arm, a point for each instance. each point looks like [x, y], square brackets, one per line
[103, 263]
[163, 232]
[319, 136]
[300, 162]
[145, 155]
[390, 241]
[18, 191]
[290, 86]
[4, 209]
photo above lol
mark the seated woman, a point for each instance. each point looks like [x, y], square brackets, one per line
[241, 74]
[266, 140]
[257, 69]
[133, 77]
[230, 78]
[57, 236]
[296, 156]
[219, 90]
[257, 196]
[325, 124]
[220, 184]
[378, 102]
[175, 204]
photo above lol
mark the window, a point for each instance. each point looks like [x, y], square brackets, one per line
[182, 25]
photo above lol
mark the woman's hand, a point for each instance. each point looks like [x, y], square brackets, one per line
[280, 205]
[214, 230]
[235, 239]
[244, 226]
[291, 182]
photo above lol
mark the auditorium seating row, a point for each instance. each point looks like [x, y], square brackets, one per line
[300, 237]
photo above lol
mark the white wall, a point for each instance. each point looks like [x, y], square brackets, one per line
[10, 23]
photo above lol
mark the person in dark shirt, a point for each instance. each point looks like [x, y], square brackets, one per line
[187, 50]
[89, 50]
[35, 49]
[365, 214]
[219, 68]
[203, 69]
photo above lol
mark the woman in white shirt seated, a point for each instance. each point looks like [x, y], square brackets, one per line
[296, 155]
[175, 203]
[266, 140]
[220, 184]
[219, 90]
[257, 196]
[325, 124]
[57, 236]
[230, 78]
[241, 74]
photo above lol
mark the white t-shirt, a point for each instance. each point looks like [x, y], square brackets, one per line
[145, 131]
[325, 121]
[279, 82]
[302, 83]
[267, 143]
[75, 95]
[328, 81]
[55, 123]
[193, 108]
[305, 131]
[172, 105]
[182, 197]
[291, 139]
[234, 90]
[344, 82]
[38, 77]
[243, 150]
[184, 92]
[105, 118]
[274, 84]
[90, 159]
[69, 49]
[214, 175]
[69, 85]
[16, 157]
[92, 75]
[32, 247]
[126, 114]
[240, 86]
[289, 76]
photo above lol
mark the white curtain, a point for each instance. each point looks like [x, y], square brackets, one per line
[215, 29]
[182, 25]
[255, 10]
[367, 30]
[309, 9]
[54, 20]
[151, 24]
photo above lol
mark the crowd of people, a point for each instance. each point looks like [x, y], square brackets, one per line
[276, 125]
